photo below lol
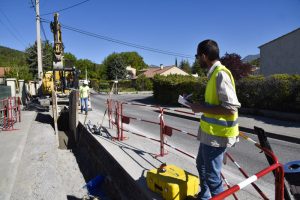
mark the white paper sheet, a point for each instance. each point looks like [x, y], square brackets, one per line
[183, 101]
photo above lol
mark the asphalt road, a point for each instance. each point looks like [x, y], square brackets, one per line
[245, 154]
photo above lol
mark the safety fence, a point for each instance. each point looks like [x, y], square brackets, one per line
[117, 118]
[10, 112]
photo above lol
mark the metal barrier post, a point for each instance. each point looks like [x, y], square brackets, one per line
[279, 185]
[108, 112]
[9, 124]
[4, 110]
[162, 137]
[263, 140]
[121, 120]
[11, 114]
[19, 108]
[118, 121]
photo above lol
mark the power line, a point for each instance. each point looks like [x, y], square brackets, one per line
[33, 5]
[12, 33]
[13, 27]
[77, 4]
[43, 30]
[123, 42]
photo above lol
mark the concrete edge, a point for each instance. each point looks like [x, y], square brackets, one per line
[272, 114]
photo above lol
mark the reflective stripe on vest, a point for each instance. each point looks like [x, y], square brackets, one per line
[219, 122]
[218, 125]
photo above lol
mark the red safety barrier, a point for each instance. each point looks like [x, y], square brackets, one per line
[279, 176]
[246, 176]
[10, 112]
[117, 118]
[228, 185]
[167, 130]
[160, 123]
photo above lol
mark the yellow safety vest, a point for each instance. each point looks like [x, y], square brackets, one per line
[218, 125]
[84, 91]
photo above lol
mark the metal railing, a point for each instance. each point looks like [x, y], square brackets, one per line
[10, 113]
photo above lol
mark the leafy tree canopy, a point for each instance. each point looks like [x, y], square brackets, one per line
[86, 66]
[69, 59]
[185, 66]
[255, 62]
[133, 59]
[19, 72]
[196, 68]
[47, 57]
[115, 67]
[234, 63]
[15, 62]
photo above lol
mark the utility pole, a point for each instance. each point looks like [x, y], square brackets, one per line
[85, 73]
[38, 42]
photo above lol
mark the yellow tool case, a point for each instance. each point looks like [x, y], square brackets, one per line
[172, 182]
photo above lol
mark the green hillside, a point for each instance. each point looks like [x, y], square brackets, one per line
[11, 57]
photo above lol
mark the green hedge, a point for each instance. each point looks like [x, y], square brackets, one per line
[167, 88]
[277, 92]
[143, 83]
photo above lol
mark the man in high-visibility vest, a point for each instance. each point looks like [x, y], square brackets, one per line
[84, 92]
[218, 126]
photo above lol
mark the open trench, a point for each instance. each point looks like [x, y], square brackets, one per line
[95, 161]
[82, 159]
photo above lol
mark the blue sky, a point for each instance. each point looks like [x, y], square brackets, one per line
[239, 26]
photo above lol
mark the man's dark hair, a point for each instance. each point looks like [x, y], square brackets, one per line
[209, 48]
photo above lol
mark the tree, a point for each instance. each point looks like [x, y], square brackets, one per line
[47, 57]
[196, 68]
[134, 60]
[10, 57]
[255, 62]
[85, 65]
[101, 72]
[185, 66]
[47, 54]
[19, 72]
[115, 67]
[70, 59]
[234, 63]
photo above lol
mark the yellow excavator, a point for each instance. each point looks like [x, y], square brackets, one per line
[63, 78]
[61, 81]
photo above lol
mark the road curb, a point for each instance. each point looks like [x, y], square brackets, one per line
[244, 129]
[272, 114]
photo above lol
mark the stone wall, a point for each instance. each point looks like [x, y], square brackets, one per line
[95, 160]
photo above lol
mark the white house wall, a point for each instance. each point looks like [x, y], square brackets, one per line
[281, 55]
[174, 70]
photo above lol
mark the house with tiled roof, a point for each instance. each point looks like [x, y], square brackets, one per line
[163, 70]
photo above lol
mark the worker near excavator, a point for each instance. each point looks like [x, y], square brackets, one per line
[218, 126]
[84, 92]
